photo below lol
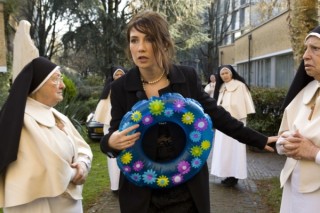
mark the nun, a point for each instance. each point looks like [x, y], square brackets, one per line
[229, 158]
[299, 134]
[103, 115]
[44, 161]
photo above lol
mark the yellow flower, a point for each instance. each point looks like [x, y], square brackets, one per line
[156, 107]
[163, 181]
[196, 151]
[205, 144]
[188, 118]
[126, 158]
[136, 116]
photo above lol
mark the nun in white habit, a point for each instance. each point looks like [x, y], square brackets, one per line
[44, 161]
[103, 115]
[299, 134]
[229, 157]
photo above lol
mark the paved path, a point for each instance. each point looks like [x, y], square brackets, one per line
[240, 199]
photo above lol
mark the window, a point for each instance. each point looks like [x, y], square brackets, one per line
[284, 70]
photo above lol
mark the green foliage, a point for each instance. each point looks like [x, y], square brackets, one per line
[75, 110]
[267, 118]
[91, 87]
[4, 87]
[97, 40]
[71, 90]
[270, 191]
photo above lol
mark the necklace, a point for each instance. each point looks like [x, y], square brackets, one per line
[316, 95]
[152, 82]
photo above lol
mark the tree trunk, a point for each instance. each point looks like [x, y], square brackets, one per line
[302, 19]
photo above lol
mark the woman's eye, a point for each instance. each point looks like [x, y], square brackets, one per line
[133, 41]
[317, 48]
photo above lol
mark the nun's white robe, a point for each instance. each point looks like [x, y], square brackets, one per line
[40, 179]
[103, 115]
[300, 179]
[229, 158]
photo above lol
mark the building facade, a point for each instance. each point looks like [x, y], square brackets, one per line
[263, 56]
[258, 46]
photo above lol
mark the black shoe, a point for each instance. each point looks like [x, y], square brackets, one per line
[230, 181]
[115, 192]
[225, 180]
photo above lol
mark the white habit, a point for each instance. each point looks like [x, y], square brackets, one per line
[229, 158]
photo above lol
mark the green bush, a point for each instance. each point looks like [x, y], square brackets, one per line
[267, 101]
[4, 87]
[74, 105]
[71, 90]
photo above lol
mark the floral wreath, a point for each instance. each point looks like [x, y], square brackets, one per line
[170, 107]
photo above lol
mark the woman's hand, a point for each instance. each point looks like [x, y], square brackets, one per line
[120, 140]
[271, 139]
[81, 173]
[296, 146]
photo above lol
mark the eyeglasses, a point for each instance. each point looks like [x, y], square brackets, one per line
[57, 80]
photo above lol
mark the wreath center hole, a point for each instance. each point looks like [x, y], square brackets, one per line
[171, 141]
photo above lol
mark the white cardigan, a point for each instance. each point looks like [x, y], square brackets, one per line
[236, 99]
[42, 168]
[296, 118]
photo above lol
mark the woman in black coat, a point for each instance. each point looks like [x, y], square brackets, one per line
[151, 49]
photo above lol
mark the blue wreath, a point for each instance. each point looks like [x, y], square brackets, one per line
[170, 107]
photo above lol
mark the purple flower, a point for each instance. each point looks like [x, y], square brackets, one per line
[178, 105]
[176, 179]
[201, 124]
[127, 169]
[184, 167]
[138, 165]
[148, 119]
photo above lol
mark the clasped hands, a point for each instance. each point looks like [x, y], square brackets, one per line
[81, 173]
[294, 145]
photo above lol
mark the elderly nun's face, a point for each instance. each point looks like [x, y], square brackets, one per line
[311, 57]
[226, 75]
[51, 93]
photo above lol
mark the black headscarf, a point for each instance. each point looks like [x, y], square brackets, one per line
[12, 112]
[301, 79]
[109, 77]
[219, 80]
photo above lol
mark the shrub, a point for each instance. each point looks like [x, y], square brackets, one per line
[267, 101]
[4, 87]
[71, 90]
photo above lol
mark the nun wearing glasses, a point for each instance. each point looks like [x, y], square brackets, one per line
[44, 161]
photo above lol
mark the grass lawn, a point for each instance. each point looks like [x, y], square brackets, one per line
[98, 179]
[270, 191]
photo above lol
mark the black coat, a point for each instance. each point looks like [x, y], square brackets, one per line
[128, 90]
